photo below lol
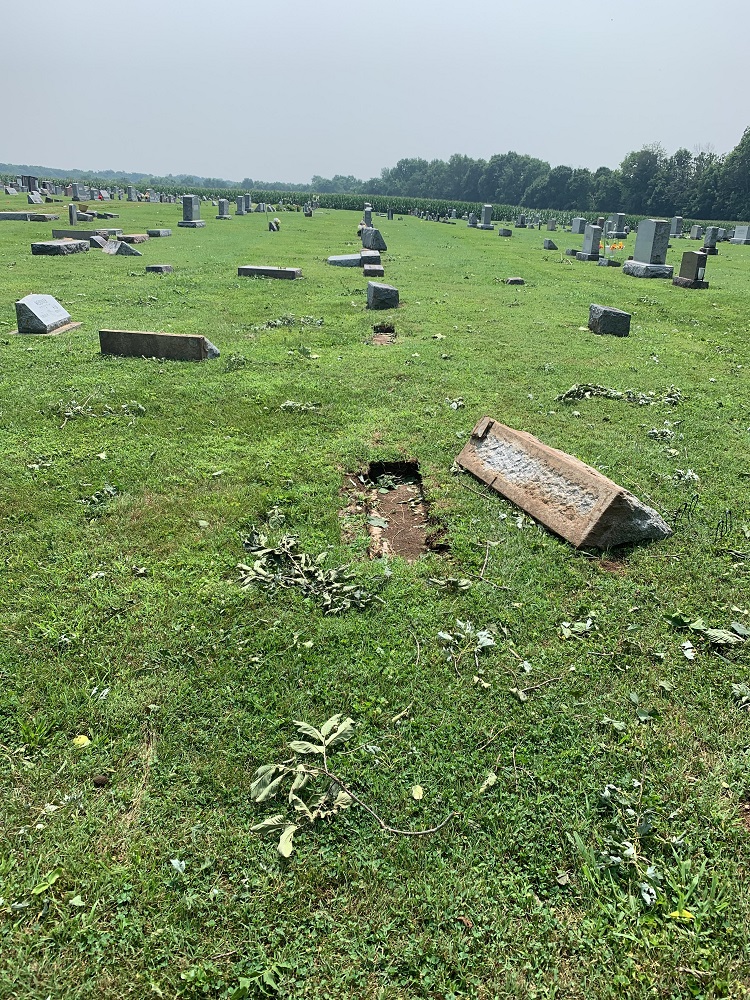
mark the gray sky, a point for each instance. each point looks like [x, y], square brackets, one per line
[284, 91]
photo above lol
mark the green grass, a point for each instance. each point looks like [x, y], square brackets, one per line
[204, 678]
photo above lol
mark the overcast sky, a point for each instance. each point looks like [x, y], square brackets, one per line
[301, 87]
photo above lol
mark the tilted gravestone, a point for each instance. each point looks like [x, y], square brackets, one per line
[591, 240]
[692, 270]
[710, 239]
[568, 497]
[42, 314]
[608, 320]
[650, 254]
[550, 245]
[33, 198]
[373, 240]
[380, 296]
[171, 346]
[191, 212]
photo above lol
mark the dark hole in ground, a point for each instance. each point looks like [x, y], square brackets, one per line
[383, 334]
[396, 509]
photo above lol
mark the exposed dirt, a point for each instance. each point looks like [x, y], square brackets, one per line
[745, 813]
[383, 334]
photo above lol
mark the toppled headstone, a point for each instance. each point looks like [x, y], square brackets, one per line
[84, 234]
[158, 232]
[55, 248]
[346, 260]
[369, 257]
[260, 271]
[373, 240]
[514, 281]
[571, 252]
[98, 242]
[33, 198]
[373, 271]
[42, 314]
[608, 262]
[126, 250]
[568, 497]
[607, 320]
[505, 232]
[134, 238]
[380, 296]
[172, 346]
[159, 269]
[550, 245]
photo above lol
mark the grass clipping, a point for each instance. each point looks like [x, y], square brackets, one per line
[284, 566]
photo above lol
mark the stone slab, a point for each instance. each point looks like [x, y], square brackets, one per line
[40, 314]
[606, 319]
[380, 296]
[373, 240]
[134, 238]
[126, 250]
[15, 216]
[564, 494]
[505, 232]
[56, 248]
[261, 271]
[83, 234]
[194, 224]
[580, 255]
[172, 346]
[609, 262]
[514, 281]
[346, 260]
[689, 282]
[373, 271]
[550, 245]
[637, 269]
[159, 232]
[369, 257]
[159, 269]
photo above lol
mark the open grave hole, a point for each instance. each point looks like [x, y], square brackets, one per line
[383, 334]
[391, 496]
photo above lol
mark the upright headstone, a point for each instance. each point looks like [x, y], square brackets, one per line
[521, 222]
[76, 192]
[741, 236]
[650, 254]
[240, 205]
[696, 232]
[692, 270]
[472, 220]
[72, 215]
[592, 237]
[578, 226]
[709, 240]
[368, 216]
[551, 225]
[191, 212]
[486, 222]
[675, 229]
[248, 204]
[390, 215]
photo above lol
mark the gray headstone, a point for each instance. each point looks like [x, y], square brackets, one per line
[472, 223]
[550, 245]
[578, 226]
[380, 296]
[240, 205]
[40, 314]
[552, 225]
[741, 235]
[675, 228]
[373, 240]
[651, 241]
[346, 260]
[223, 209]
[696, 232]
[693, 265]
[710, 237]
[72, 215]
[605, 319]
[592, 237]
[191, 208]
[368, 217]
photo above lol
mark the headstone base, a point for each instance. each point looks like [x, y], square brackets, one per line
[346, 260]
[505, 232]
[159, 269]
[52, 248]
[740, 243]
[481, 225]
[580, 255]
[223, 216]
[196, 224]
[172, 346]
[260, 271]
[609, 262]
[52, 333]
[637, 269]
[709, 251]
[689, 283]
[571, 252]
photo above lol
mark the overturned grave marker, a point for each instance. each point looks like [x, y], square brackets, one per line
[172, 346]
[260, 271]
[607, 319]
[53, 248]
[568, 497]
[159, 269]
[42, 315]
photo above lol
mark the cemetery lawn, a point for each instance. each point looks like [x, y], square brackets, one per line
[128, 486]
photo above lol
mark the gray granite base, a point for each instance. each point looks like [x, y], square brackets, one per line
[196, 224]
[689, 283]
[580, 255]
[637, 269]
